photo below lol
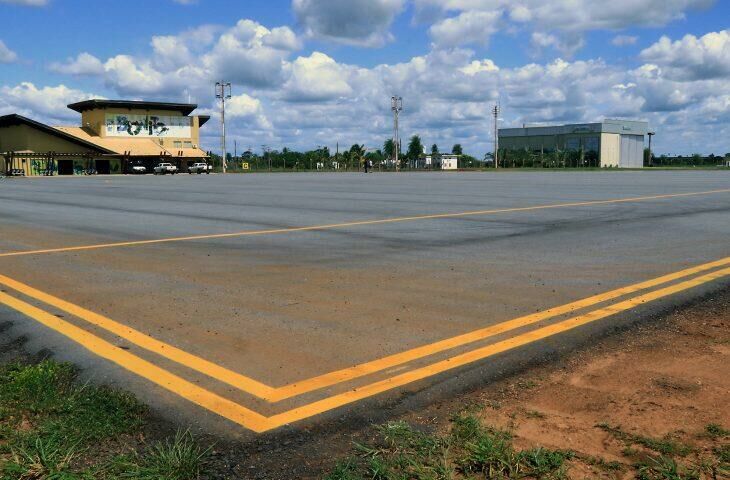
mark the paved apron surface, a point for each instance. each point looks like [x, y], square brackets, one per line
[268, 299]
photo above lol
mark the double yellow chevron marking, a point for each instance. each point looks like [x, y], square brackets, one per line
[260, 423]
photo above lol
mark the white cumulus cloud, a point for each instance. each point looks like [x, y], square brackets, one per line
[467, 27]
[317, 77]
[561, 20]
[83, 64]
[692, 58]
[48, 102]
[7, 55]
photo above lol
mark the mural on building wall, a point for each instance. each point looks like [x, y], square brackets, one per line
[41, 167]
[126, 125]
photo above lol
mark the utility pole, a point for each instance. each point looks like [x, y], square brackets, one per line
[265, 150]
[223, 92]
[396, 104]
[651, 134]
[495, 112]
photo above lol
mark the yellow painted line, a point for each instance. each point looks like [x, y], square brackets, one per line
[259, 423]
[179, 386]
[364, 392]
[368, 368]
[272, 394]
[354, 224]
[145, 341]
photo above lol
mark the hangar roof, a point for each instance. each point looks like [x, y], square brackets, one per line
[624, 127]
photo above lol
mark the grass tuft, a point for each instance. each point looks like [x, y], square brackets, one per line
[180, 458]
[664, 468]
[665, 446]
[716, 431]
[470, 449]
[345, 470]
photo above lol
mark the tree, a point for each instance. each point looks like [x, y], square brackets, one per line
[376, 157]
[457, 150]
[357, 153]
[345, 160]
[648, 161]
[434, 149]
[415, 148]
[388, 149]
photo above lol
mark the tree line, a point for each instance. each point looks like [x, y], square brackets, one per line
[322, 158]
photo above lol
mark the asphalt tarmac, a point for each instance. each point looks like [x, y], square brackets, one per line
[286, 298]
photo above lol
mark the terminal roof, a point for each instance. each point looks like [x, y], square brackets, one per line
[184, 108]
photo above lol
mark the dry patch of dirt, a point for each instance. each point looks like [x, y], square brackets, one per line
[650, 392]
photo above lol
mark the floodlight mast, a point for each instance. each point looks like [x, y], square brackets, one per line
[495, 112]
[223, 92]
[396, 104]
[651, 160]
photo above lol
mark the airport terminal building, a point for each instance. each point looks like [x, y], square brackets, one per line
[113, 136]
[618, 143]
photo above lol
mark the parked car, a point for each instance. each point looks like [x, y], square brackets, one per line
[139, 169]
[200, 168]
[164, 168]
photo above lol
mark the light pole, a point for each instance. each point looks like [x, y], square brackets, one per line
[495, 112]
[223, 92]
[267, 157]
[396, 104]
[651, 134]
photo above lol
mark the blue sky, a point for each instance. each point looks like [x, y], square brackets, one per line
[312, 72]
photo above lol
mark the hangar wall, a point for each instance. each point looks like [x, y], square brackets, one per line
[632, 151]
[610, 149]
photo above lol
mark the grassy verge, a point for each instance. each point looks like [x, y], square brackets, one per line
[469, 450]
[472, 450]
[51, 427]
[668, 458]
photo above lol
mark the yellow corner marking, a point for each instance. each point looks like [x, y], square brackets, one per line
[273, 395]
[363, 369]
[259, 423]
[183, 388]
[360, 393]
[145, 341]
[352, 224]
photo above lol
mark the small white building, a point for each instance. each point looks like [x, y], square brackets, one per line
[439, 162]
[449, 162]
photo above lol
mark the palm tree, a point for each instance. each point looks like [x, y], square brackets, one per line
[357, 153]
[345, 156]
[389, 148]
